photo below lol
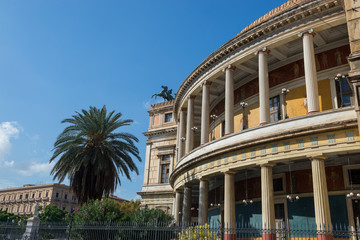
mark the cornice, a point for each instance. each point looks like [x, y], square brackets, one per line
[282, 16]
[160, 131]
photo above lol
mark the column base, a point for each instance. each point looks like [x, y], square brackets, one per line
[325, 237]
[313, 112]
[263, 123]
[229, 236]
[269, 236]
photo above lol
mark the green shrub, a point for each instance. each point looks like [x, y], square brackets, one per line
[201, 232]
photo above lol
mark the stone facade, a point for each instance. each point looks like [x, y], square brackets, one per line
[268, 124]
[21, 200]
[160, 158]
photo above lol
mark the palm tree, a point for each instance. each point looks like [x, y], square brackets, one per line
[91, 154]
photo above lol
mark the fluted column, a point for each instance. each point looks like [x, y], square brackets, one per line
[186, 218]
[267, 201]
[189, 142]
[229, 99]
[203, 201]
[205, 109]
[264, 105]
[321, 198]
[229, 205]
[182, 125]
[178, 206]
[312, 93]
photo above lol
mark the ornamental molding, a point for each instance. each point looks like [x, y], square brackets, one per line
[282, 16]
[160, 131]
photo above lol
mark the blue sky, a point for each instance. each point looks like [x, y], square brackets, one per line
[58, 57]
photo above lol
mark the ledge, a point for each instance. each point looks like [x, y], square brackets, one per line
[307, 124]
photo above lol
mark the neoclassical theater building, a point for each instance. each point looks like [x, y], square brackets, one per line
[266, 129]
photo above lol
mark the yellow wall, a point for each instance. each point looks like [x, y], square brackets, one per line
[295, 99]
[252, 113]
[296, 106]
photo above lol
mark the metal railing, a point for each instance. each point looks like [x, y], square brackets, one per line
[169, 231]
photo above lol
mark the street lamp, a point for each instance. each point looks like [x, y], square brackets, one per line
[213, 117]
[284, 91]
[243, 105]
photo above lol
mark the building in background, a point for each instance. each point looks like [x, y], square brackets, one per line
[160, 158]
[21, 200]
[266, 127]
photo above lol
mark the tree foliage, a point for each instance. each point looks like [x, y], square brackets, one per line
[52, 213]
[151, 216]
[92, 155]
[9, 217]
[97, 211]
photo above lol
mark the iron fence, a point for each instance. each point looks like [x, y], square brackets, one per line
[170, 231]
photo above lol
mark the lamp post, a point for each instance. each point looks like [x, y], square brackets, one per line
[284, 91]
[213, 117]
[243, 105]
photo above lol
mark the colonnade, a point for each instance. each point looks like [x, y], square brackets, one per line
[186, 119]
[320, 193]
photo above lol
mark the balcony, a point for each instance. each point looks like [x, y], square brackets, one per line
[57, 199]
[272, 131]
[2, 202]
[12, 201]
[18, 200]
[38, 199]
[7, 201]
[74, 201]
[31, 199]
[45, 198]
[66, 200]
[25, 200]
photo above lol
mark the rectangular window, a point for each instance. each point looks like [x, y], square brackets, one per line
[165, 173]
[331, 138]
[39, 195]
[350, 136]
[47, 194]
[57, 195]
[354, 176]
[343, 92]
[278, 184]
[274, 148]
[275, 109]
[33, 195]
[314, 141]
[300, 143]
[165, 158]
[65, 196]
[20, 196]
[168, 117]
[26, 196]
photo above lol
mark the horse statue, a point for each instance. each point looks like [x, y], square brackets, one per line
[165, 94]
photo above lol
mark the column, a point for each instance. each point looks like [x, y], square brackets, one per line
[178, 206]
[264, 105]
[267, 202]
[229, 206]
[229, 99]
[205, 109]
[186, 218]
[321, 199]
[189, 142]
[147, 164]
[181, 133]
[311, 82]
[203, 201]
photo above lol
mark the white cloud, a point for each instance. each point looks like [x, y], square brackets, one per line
[9, 164]
[33, 168]
[147, 104]
[8, 130]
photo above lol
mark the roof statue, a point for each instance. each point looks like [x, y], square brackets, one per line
[165, 94]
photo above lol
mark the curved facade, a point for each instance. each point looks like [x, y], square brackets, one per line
[267, 125]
